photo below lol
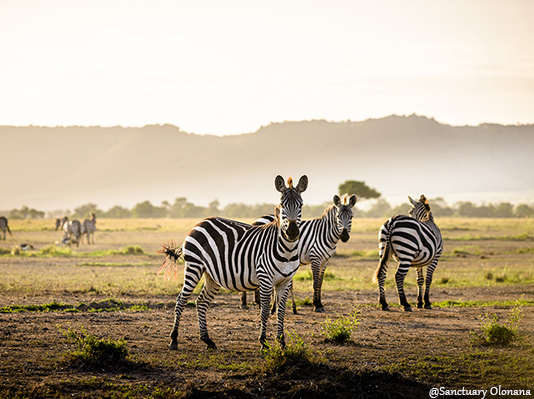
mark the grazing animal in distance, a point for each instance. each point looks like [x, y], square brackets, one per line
[26, 247]
[242, 257]
[413, 240]
[71, 228]
[318, 242]
[89, 228]
[4, 226]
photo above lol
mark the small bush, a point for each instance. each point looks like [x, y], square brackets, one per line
[340, 330]
[95, 352]
[133, 250]
[277, 359]
[494, 333]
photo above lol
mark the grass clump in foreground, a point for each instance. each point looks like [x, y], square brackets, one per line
[296, 352]
[494, 333]
[340, 330]
[93, 352]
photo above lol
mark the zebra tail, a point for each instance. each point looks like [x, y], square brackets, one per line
[384, 237]
[173, 253]
[9, 231]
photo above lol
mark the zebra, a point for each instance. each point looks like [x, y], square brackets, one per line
[413, 240]
[89, 228]
[318, 241]
[242, 257]
[72, 228]
[4, 226]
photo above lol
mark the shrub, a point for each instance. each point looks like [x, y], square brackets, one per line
[95, 352]
[133, 249]
[494, 333]
[295, 352]
[340, 330]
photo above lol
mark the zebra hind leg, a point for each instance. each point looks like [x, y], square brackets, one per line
[203, 302]
[420, 282]
[244, 300]
[193, 272]
[399, 279]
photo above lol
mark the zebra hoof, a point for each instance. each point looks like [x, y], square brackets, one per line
[319, 310]
[385, 308]
[408, 309]
[173, 346]
[419, 306]
[244, 307]
[294, 310]
[428, 307]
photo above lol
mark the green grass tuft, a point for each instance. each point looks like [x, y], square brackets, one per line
[278, 359]
[494, 333]
[340, 330]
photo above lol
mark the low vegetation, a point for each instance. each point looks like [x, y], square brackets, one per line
[493, 332]
[340, 330]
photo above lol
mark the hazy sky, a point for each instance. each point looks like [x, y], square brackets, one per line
[228, 67]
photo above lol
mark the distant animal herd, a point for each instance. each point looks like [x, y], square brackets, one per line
[264, 256]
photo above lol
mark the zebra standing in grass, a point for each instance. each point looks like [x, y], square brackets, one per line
[242, 257]
[413, 240]
[4, 226]
[318, 241]
[72, 228]
[89, 228]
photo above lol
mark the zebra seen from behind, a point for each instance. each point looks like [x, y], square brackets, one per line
[413, 240]
[318, 242]
[4, 226]
[242, 257]
[71, 228]
[89, 228]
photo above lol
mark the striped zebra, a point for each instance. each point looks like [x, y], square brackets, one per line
[4, 226]
[89, 228]
[71, 228]
[318, 242]
[413, 240]
[242, 257]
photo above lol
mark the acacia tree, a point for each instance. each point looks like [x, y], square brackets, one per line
[359, 188]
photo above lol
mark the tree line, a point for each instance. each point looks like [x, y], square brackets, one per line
[378, 207]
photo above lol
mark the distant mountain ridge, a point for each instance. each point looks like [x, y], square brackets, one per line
[64, 167]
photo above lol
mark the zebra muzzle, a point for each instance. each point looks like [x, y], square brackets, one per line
[292, 231]
[345, 235]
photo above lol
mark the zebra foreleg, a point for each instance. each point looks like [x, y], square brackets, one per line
[266, 291]
[399, 279]
[203, 301]
[244, 300]
[282, 291]
[191, 279]
[318, 270]
[420, 282]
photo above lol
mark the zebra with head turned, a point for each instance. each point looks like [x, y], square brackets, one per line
[89, 228]
[71, 228]
[413, 240]
[242, 257]
[318, 242]
[4, 226]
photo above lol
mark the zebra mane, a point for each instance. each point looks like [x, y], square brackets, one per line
[290, 182]
[328, 210]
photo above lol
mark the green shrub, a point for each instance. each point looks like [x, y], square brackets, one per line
[494, 333]
[295, 352]
[340, 330]
[95, 352]
[133, 250]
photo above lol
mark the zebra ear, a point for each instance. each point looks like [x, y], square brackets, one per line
[352, 200]
[303, 184]
[279, 183]
[412, 201]
[277, 213]
[337, 200]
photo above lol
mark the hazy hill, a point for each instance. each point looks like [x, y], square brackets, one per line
[64, 167]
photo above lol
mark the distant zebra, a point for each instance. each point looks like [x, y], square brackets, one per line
[89, 228]
[242, 257]
[412, 242]
[72, 228]
[318, 242]
[4, 226]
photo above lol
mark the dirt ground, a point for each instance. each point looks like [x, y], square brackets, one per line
[32, 348]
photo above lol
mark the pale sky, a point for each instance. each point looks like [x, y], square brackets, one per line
[229, 67]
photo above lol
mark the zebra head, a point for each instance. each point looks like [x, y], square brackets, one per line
[420, 209]
[344, 214]
[61, 222]
[289, 211]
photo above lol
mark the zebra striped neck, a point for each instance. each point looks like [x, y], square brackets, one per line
[329, 218]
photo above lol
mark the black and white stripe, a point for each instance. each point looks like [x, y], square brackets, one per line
[71, 228]
[413, 240]
[4, 226]
[89, 228]
[242, 257]
[318, 242]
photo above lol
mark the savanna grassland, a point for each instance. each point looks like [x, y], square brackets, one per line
[109, 297]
